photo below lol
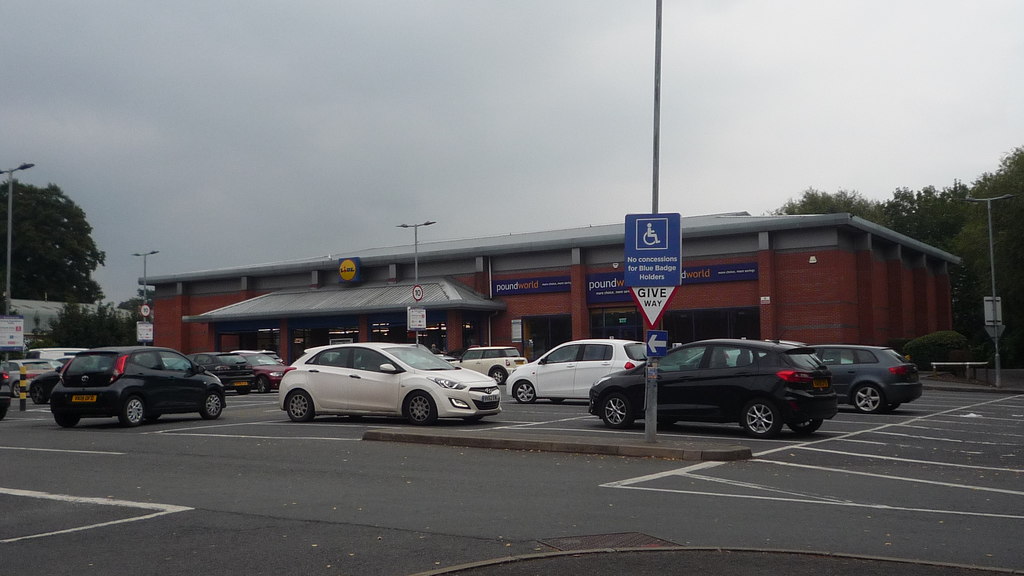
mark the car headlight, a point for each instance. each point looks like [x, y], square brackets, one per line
[276, 374]
[446, 383]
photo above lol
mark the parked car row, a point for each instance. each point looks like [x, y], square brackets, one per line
[763, 386]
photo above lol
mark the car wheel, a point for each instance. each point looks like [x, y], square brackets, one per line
[420, 409]
[133, 412]
[807, 427]
[869, 399]
[213, 406]
[36, 393]
[66, 420]
[299, 406]
[617, 411]
[524, 392]
[262, 384]
[761, 418]
[499, 374]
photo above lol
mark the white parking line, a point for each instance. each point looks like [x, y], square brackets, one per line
[159, 510]
[64, 451]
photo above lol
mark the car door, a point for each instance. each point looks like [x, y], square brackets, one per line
[726, 381]
[327, 377]
[594, 362]
[556, 372]
[368, 388]
[840, 362]
[159, 386]
[677, 372]
[189, 389]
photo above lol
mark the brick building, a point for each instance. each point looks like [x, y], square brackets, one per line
[814, 278]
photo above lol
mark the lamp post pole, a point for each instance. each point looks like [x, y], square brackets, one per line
[10, 221]
[996, 325]
[416, 254]
[145, 280]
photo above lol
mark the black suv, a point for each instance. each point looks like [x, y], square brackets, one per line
[134, 383]
[760, 385]
[232, 369]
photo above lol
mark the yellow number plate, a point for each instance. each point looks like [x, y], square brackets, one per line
[820, 383]
[241, 384]
[83, 398]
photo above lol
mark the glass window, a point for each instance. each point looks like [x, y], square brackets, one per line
[564, 354]
[472, 355]
[368, 360]
[681, 359]
[175, 362]
[864, 357]
[597, 352]
[338, 357]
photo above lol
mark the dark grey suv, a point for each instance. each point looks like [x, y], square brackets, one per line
[874, 379]
[135, 383]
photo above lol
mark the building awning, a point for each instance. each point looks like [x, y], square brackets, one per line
[438, 294]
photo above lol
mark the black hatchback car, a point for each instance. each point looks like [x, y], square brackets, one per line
[760, 385]
[232, 369]
[135, 383]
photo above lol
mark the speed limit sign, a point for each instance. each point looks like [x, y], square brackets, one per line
[417, 292]
[145, 310]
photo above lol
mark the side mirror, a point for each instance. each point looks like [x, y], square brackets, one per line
[389, 368]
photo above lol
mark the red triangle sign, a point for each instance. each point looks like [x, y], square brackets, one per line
[652, 300]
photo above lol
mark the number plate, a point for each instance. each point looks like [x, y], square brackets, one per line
[820, 383]
[83, 398]
[490, 398]
[243, 383]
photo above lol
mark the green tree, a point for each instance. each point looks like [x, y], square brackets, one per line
[78, 326]
[53, 254]
[817, 202]
[1008, 245]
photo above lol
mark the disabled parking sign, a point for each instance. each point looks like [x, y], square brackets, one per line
[653, 250]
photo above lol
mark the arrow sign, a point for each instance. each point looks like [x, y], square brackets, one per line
[652, 301]
[657, 343]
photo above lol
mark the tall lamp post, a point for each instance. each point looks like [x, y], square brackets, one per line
[416, 254]
[145, 281]
[10, 220]
[996, 325]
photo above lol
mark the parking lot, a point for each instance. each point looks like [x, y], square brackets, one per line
[939, 480]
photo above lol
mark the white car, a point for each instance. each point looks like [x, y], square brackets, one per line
[382, 379]
[570, 369]
[495, 361]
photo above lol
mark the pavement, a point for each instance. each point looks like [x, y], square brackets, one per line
[638, 554]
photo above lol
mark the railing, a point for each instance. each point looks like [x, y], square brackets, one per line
[970, 368]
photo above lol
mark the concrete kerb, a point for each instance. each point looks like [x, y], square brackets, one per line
[510, 441]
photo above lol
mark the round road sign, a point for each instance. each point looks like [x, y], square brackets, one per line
[417, 292]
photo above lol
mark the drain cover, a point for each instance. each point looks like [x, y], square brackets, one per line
[623, 540]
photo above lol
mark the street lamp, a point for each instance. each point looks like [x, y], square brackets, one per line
[992, 268]
[10, 219]
[415, 246]
[145, 282]
[416, 255]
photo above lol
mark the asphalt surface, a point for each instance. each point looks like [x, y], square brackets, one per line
[620, 554]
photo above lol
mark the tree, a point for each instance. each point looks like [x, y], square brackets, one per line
[817, 202]
[78, 326]
[1008, 245]
[53, 254]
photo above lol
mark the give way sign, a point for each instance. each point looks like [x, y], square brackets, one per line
[652, 300]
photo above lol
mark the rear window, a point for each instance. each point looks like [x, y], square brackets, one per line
[229, 359]
[804, 358]
[636, 351]
[90, 364]
[509, 353]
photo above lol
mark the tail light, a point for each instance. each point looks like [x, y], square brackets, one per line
[118, 367]
[629, 365]
[795, 376]
[901, 370]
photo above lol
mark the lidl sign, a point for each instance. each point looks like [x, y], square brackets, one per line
[349, 270]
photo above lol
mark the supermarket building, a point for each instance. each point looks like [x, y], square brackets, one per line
[811, 278]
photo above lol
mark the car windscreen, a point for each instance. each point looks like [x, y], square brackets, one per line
[230, 359]
[262, 360]
[419, 358]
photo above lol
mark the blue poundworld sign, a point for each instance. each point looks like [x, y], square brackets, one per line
[653, 250]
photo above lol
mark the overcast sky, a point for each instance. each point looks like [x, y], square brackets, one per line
[228, 133]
